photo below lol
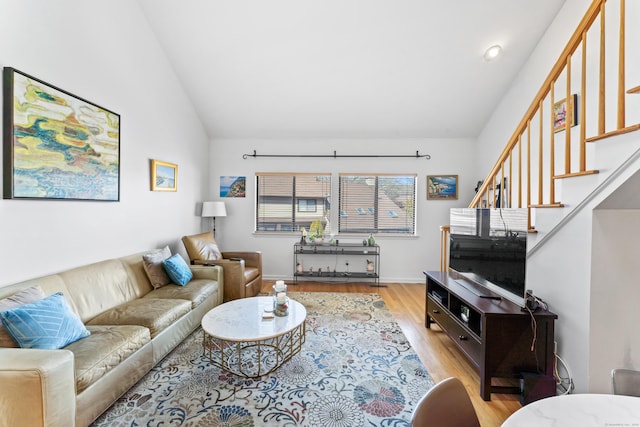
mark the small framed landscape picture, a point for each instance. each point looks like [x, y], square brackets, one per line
[442, 187]
[164, 176]
[233, 186]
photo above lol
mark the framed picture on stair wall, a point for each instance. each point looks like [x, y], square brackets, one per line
[56, 145]
[561, 111]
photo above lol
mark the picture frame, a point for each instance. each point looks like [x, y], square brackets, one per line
[442, 187]
[233, 186]
[57, 145]
[560, 113]
[164, 176]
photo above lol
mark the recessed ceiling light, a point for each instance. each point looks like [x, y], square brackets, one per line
[492, 53]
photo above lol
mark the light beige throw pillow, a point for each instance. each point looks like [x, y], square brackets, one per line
[153, 267]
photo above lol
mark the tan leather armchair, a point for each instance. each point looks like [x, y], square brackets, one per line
[242, 271]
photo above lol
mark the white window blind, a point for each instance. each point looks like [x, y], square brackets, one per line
[288, 202]
[377, 204]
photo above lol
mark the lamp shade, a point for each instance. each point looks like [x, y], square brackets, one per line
[213, 209]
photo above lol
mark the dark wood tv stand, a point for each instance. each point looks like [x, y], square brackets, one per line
[495, 334]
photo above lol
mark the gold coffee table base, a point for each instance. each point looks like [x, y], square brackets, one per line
[253, 359]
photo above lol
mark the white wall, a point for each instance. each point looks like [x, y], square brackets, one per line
[560, 275]
[403, 259]
[614, 295]
[587, 273]
[103, 52]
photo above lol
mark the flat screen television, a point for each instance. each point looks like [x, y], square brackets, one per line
[489, 247]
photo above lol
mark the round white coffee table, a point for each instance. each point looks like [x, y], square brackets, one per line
[239, 339]
[585, 410]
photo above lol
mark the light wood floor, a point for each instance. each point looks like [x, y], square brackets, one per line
[435, 349]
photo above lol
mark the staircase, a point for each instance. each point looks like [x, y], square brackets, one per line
[576, 167]
[550, 142]
[550, 160]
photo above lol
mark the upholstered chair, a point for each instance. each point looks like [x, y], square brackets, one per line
[242, 271]
[625, 382]
[446, 404]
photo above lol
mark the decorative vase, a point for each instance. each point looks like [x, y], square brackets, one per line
[372, 240]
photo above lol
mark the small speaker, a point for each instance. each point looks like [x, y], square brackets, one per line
[535, 387]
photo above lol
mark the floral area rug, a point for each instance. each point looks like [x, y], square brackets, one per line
[356, 368]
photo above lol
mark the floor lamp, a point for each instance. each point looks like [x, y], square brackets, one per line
[212, 210]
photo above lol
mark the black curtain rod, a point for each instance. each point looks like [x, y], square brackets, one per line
[335, 155]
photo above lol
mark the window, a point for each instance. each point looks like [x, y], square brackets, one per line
[377, 204]
[307, 205]
[289, 202]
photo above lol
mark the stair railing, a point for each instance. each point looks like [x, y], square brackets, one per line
[521, 178]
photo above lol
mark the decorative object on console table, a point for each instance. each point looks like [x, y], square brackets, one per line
[442, 187]
[212, 210]
[53, 148]
[370, 267]
[164, 176]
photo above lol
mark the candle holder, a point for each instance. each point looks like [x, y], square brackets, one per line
[280, 299]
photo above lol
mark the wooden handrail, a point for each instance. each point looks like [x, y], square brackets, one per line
[558, 68]
[546, 93]
[512, 156]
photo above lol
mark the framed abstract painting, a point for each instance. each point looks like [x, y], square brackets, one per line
[56, 145]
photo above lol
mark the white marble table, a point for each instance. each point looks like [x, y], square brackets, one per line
[584, 410]
[238, 339]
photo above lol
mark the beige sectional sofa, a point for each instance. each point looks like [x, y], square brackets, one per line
[133, 326]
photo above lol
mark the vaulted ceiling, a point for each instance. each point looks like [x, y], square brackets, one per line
[346, 68]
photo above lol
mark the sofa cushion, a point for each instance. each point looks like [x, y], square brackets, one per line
[178, 270]
[26, 296]
[197, 291]
[104, 349]
[153, 313]
[97, 287]
[250, 273]
[48, 323]
[152, 263]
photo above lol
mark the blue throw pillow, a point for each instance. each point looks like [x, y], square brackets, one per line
[178, 270]
[48, 323]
